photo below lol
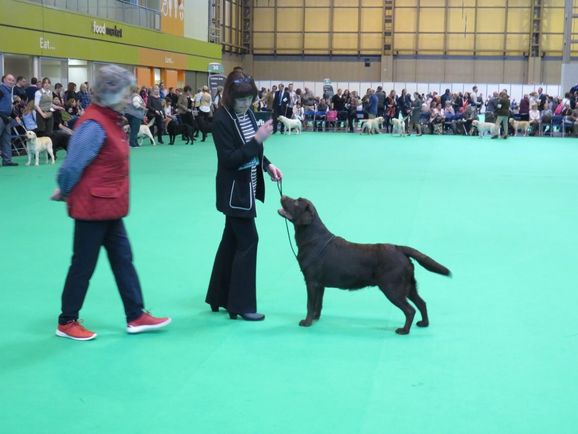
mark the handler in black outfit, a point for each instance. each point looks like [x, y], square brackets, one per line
[240, 181]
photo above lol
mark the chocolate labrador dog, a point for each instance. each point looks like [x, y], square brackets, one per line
[330, 261]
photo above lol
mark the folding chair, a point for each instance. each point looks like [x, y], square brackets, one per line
[17, 138]
[309, 119]
[319, 121]
[557, 125]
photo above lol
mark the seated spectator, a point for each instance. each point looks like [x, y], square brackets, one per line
[70, 91]
[573, 117]
[470, 115]
[29, 117]
[534, 118]
[71, 112]
[59, 123]
[299, 112]
[18, 107]
[437, 119]
[59, 93]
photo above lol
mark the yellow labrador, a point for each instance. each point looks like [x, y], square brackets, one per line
[371, 126]
[486, 128]
[522, 126]
[35, 145]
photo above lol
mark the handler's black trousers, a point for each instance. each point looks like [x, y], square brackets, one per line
[233, 280]
[89, 236]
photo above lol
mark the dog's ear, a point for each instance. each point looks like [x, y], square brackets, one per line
[307, 215]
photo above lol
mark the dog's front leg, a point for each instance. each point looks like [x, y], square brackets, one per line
[319, 303]
[312, 293]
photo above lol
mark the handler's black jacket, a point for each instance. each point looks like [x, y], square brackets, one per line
[235, 196]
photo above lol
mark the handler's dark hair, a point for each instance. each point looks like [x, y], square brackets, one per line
[238, 85]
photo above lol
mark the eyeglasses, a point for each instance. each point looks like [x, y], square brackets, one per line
[247, 79]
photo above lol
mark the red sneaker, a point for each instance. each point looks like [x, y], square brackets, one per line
[74, 330]
[146, 322]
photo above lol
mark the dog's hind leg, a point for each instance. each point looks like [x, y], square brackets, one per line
[398, 298]
[312, 296]
[51, 153]
[420, 304]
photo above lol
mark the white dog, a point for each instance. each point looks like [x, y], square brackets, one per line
[143, 131]
[398, 126]
[371, 126]
[522, 126]
[486, 128]
[290, 124]
[35, 145]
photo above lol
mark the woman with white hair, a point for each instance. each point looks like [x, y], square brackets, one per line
[94, 182]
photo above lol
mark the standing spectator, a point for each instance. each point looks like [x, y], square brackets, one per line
[241, 164]
[502, 115]
[6, 86]
[45, 108]
[205, 104]
[20, 89]
[390, 110]
[414, 120]
[184, 108]
[280, 106]
[380, 93]
[524, 110]
[291, 101]
[372, 106]
[94, 182]
[31, 90]
[135, 112]
[542, 98]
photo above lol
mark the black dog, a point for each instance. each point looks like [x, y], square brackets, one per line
[186, 131]
[60, 140]
[329, 261]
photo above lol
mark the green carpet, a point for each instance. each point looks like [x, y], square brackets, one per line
[499, 357]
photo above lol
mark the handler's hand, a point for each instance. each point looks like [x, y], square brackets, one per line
[275, 173]
[57, 196]
[264, 131]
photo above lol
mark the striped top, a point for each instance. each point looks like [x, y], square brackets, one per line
[248, 132]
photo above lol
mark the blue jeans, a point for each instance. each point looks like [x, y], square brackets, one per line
[5, 143]
[134, 124]
[89, 236]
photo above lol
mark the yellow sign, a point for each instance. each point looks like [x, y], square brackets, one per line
[173, 17]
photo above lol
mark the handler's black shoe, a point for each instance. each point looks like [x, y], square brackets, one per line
[248, 316]
[10, 163]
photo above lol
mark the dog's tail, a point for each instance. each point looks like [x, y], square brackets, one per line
[151, 123]
[425, 261]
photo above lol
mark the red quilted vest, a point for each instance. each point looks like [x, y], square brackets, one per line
[102, 192]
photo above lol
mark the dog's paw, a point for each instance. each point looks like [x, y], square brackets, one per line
[305, 323]
[422, 323]
[402, 331]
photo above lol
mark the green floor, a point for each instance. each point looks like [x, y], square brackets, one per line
[500, 355]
